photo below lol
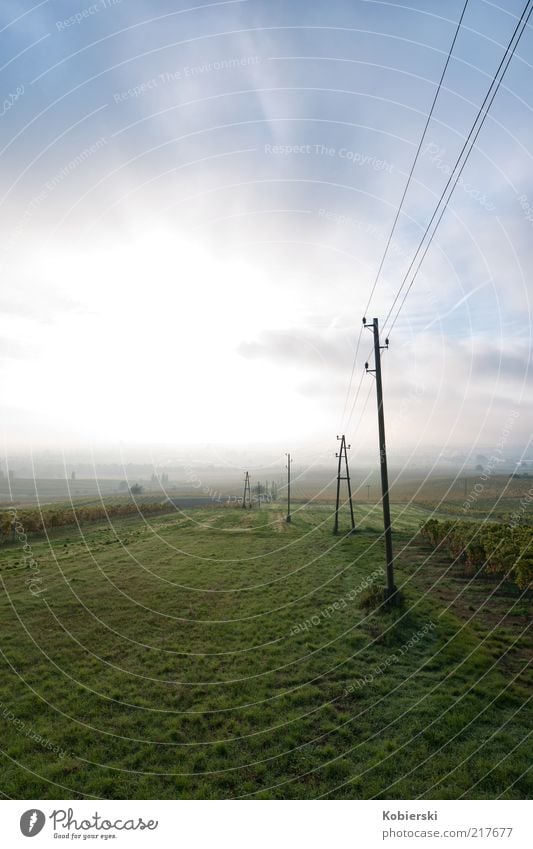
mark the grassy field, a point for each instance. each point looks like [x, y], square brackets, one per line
[225, 654]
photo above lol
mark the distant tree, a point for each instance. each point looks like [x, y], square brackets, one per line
[123, 485]
[479, 467]
[136, 489]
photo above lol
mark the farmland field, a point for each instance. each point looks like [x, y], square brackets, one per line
[225, 654]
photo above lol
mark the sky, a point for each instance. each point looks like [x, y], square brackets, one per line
[195, 199]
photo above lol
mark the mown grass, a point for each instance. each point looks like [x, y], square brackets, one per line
[195, 657]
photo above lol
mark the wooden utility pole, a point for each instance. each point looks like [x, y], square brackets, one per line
[289, 461]
[247, 491]
[343, 455]
[391, 588]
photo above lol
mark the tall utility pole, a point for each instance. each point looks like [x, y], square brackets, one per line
[343, 455]
[391, 588]
[289, 461]
[247, 491]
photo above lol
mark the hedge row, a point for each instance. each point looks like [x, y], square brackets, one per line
[488, 548]
[15, 522]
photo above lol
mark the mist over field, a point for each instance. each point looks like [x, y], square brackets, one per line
[193, 220]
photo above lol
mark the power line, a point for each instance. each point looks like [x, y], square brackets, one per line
[491, 94]
[413, 166]
[455, 174]
[356, 398]
[457, 169]
[400, 206]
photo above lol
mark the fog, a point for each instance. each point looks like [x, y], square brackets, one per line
[195, 206]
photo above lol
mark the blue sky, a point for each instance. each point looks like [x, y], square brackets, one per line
[195, 199]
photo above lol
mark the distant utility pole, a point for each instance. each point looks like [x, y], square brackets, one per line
[368, 492]
[391, 588]
[247, 491]
[343, 455]
[289, 462]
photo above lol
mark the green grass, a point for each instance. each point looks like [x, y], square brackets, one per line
[172, 659]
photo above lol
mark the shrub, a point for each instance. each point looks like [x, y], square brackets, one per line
[489, 548]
